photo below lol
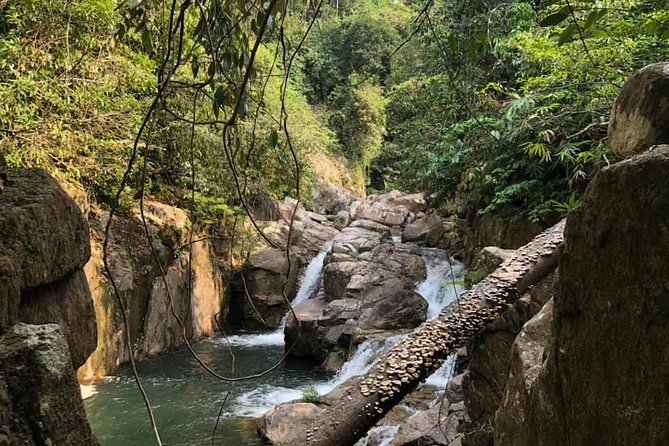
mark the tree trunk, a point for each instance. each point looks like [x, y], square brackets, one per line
[361, 402]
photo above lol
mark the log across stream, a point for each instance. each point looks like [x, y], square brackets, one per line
[187, 400]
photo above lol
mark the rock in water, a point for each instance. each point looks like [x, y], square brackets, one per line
[40, 402]
[639, 116]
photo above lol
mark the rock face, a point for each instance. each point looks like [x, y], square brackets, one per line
[41, 404]
[258, 292]
[639, 114]
[153, 328]
[605, 379]
[527, 359]
[43, 248]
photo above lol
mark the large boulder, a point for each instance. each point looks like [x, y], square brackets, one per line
[44, 245]
[280, 425]
[40, 403]
[428, 229]
[330, 199]
[415, 203]
[605, 379]
[639, 115]
[260, 297]
[41, 228]
[383, 209]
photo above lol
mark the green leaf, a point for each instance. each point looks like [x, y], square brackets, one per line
[554, 19]
[134, 3]
[567, 34]
[273, 139]
[593, 17]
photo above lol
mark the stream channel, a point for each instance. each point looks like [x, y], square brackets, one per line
[187, 400]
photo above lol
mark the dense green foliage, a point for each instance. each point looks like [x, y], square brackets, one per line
[491, 107]
[499, 113]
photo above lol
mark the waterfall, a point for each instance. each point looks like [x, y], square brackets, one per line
[265, 397]
[309, 284]
[443, 284]
[444, 280]
[440, 287]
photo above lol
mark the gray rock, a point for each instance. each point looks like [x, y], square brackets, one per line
[454, 390]
[41, 403]
[329, 199]
[527, 360]
[428, 229]
[279, 425]
[605, 379]
[41, 228]
[259, 300]
[413, 202]
[67, 303]
[639, 115]
[44, 245]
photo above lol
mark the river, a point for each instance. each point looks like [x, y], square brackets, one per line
[187, 400]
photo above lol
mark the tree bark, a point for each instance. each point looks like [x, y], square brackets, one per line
[355, 407]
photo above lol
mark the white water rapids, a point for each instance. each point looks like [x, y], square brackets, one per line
[441, 286]
[309, 284]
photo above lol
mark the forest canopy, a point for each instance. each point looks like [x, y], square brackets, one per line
[485, 106]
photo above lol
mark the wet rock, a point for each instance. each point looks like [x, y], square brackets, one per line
[302, 339]
[259, 299]
[41, 404]
[639, 115]
[390, 305]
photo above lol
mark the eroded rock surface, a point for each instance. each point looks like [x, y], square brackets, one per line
[39, 394]
[43, 248]
[605, 378]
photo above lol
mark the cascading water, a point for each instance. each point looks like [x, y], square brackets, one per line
[187, 399]
[444, 280]
[263, 398]
[442, 285]
[309, 284]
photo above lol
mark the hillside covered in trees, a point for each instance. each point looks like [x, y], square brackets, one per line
[496, 107]
[336, 222]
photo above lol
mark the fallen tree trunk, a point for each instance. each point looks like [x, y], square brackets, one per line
[350, 411]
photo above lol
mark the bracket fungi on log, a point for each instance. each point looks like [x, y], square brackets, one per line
[362, 401]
